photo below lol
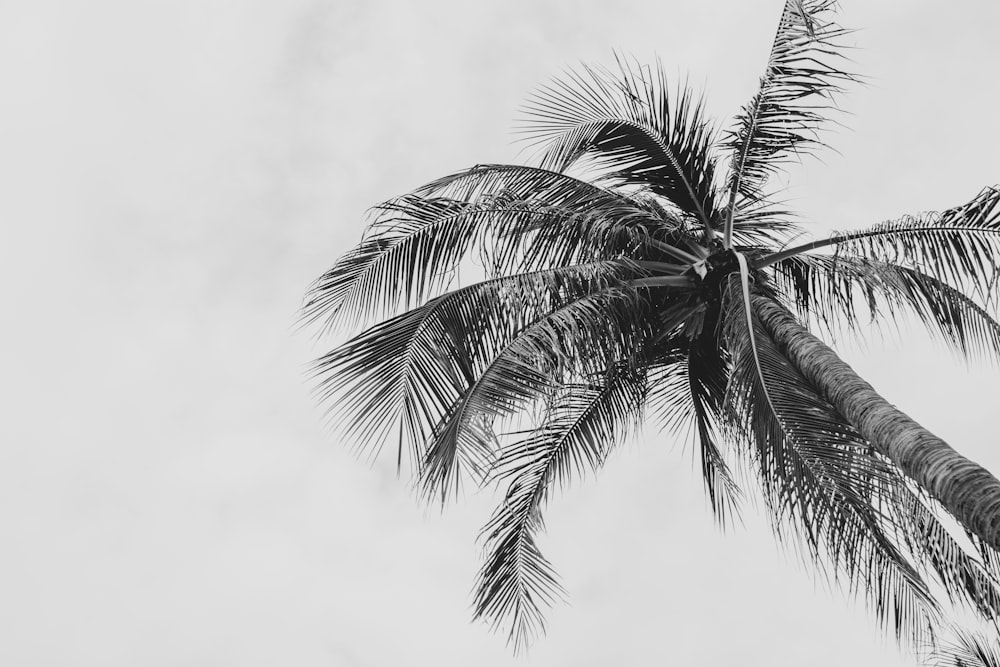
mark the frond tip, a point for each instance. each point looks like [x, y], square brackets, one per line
[581, 425]
[796, 93]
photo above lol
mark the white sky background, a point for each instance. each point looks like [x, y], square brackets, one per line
[173, 176]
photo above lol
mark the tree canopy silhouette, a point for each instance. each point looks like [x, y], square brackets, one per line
[642, 269]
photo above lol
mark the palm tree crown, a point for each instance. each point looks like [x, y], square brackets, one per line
[642, 269]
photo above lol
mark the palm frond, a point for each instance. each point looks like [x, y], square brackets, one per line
[965, 649]
[561, 236]
[958, 246]
[819, 477]
[707, 374]
[416, 242]
[686, 394]
[966, 579]
[903, 519]
[762, 224]
[795, 96]
[831, 289]
[570, 220]
[585, 336]
[403, 375]
[583, 422]
[521, 182]
[411, 250]
[632, 129]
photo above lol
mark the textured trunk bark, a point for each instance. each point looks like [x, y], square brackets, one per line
[966, 489]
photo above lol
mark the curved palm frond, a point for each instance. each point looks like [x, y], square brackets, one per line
[783, 118]
[687, 393]
[966, 649]
[901, 518]
[411, 249]
[402, 375]
[762, 224]
[523, 182]
[582, 423]
[708, 376]
[966, 579]
[627, 123]
[575, 220]
[585, 336]
[820, 478]
[561, 236]
[831, 288]
[958, 245]
[416, 242]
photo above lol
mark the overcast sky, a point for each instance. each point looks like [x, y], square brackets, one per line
[172, 176]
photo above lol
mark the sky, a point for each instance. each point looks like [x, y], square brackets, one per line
[176, 173]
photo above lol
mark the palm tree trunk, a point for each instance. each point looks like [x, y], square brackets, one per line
[966, 489]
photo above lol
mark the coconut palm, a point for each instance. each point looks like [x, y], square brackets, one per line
[644, 268]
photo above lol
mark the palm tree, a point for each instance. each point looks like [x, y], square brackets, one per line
[644, 268]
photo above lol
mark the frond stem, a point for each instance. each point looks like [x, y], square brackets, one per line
[675, 252]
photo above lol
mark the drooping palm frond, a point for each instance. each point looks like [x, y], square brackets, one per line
[555, 349]
[402, 376]
[901, 521]
[966, 580]
[820, 478]
[573, 221]
[633, 130]
[708, 376]
[958, 245]
[831, 289]
[686, 396]
[410, 251]
[795, 95]
[411, 254]
[563, 236]
[582, 423]
[513, 218]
